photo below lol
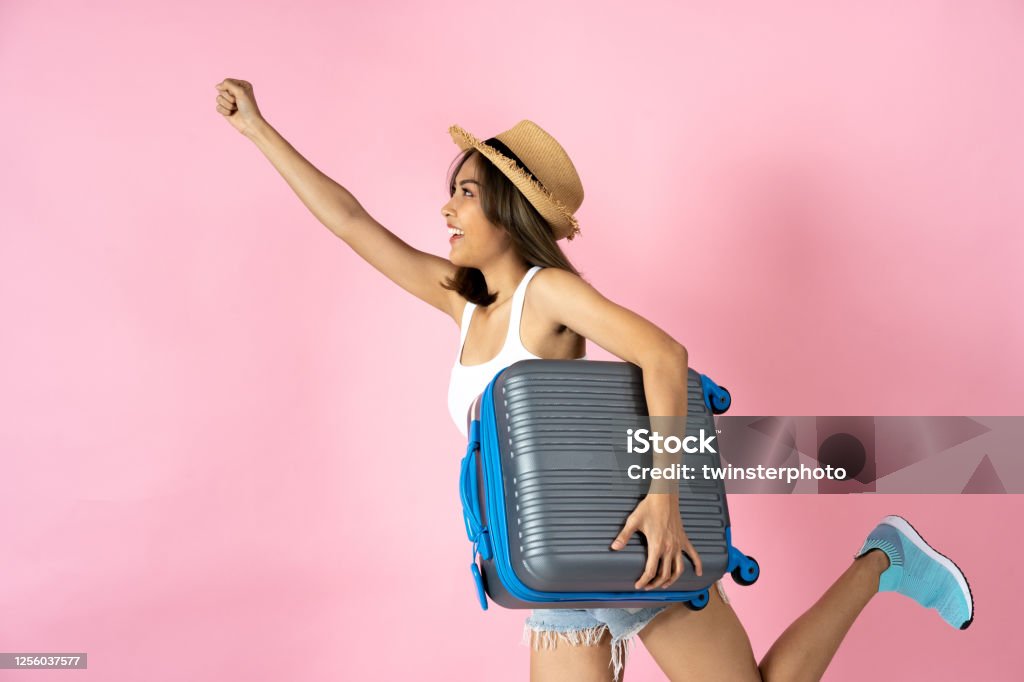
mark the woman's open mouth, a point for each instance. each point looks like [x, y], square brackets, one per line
[456, 234]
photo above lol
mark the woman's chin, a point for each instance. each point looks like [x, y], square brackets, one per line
[458, 260]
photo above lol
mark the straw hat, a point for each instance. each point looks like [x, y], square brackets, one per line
[550, 182]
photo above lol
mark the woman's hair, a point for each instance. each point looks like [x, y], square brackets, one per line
[505, 206]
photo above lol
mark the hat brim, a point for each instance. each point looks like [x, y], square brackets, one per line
[563, 222]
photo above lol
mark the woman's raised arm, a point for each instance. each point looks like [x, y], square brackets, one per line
[416, 271]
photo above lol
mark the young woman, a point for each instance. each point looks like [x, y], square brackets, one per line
[514, 295]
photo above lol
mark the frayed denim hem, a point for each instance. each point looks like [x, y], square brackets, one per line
[546, 638]
[586, 627]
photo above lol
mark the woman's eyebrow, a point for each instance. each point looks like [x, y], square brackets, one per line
[463, 182]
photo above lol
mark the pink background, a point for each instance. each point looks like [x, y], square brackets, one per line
[201, 385]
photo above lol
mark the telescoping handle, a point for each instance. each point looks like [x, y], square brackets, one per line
[470, 496]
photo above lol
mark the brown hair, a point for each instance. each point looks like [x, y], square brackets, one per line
[505, 206]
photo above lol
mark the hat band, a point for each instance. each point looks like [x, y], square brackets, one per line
[502, 148]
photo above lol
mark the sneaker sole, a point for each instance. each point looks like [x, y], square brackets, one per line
[904, 527]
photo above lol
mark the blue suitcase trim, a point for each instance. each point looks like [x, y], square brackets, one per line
[744, 569]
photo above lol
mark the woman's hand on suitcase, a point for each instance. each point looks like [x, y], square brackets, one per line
[236, 101]
[657, 517]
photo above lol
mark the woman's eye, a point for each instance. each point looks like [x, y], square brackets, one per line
[466, 192]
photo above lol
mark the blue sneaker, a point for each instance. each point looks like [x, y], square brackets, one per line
[918, 571]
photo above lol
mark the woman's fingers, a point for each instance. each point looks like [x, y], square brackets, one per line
[673, 566]
[236, 101]
[695, 557]
[650, 570]
[233, 91]
[661, 568]
[667, 566]
[232, 85]
[667, 541]
[677, 566]
[627, 531]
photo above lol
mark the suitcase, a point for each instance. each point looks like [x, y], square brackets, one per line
[544, 489]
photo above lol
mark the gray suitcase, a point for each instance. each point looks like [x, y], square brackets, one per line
[544, 489]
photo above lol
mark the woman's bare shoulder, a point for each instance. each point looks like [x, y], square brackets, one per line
[553, 284]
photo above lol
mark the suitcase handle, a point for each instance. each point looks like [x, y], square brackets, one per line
[468, 485]
[469, 494]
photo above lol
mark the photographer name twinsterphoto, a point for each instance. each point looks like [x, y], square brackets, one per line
[729, 472]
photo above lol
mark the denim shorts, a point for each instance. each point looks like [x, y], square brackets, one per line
[587, 626]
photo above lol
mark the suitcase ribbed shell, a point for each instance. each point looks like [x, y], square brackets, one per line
[560, 427]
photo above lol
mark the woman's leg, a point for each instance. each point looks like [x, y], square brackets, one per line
[568, 644]
[807, 646]
[584, 644]
[711, 644]
[562, 660]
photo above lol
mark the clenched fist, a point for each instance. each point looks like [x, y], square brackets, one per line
[236, 102]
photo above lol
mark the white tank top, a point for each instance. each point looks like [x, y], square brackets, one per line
[469, 381]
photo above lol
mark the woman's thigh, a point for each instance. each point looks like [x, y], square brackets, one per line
[565, 661]
[701, 646]
[568, 644]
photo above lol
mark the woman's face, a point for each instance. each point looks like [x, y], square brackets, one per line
[477, 241]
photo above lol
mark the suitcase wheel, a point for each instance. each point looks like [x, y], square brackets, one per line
[717, 398]
[698, 602]
[720, 400]
[747, 572]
